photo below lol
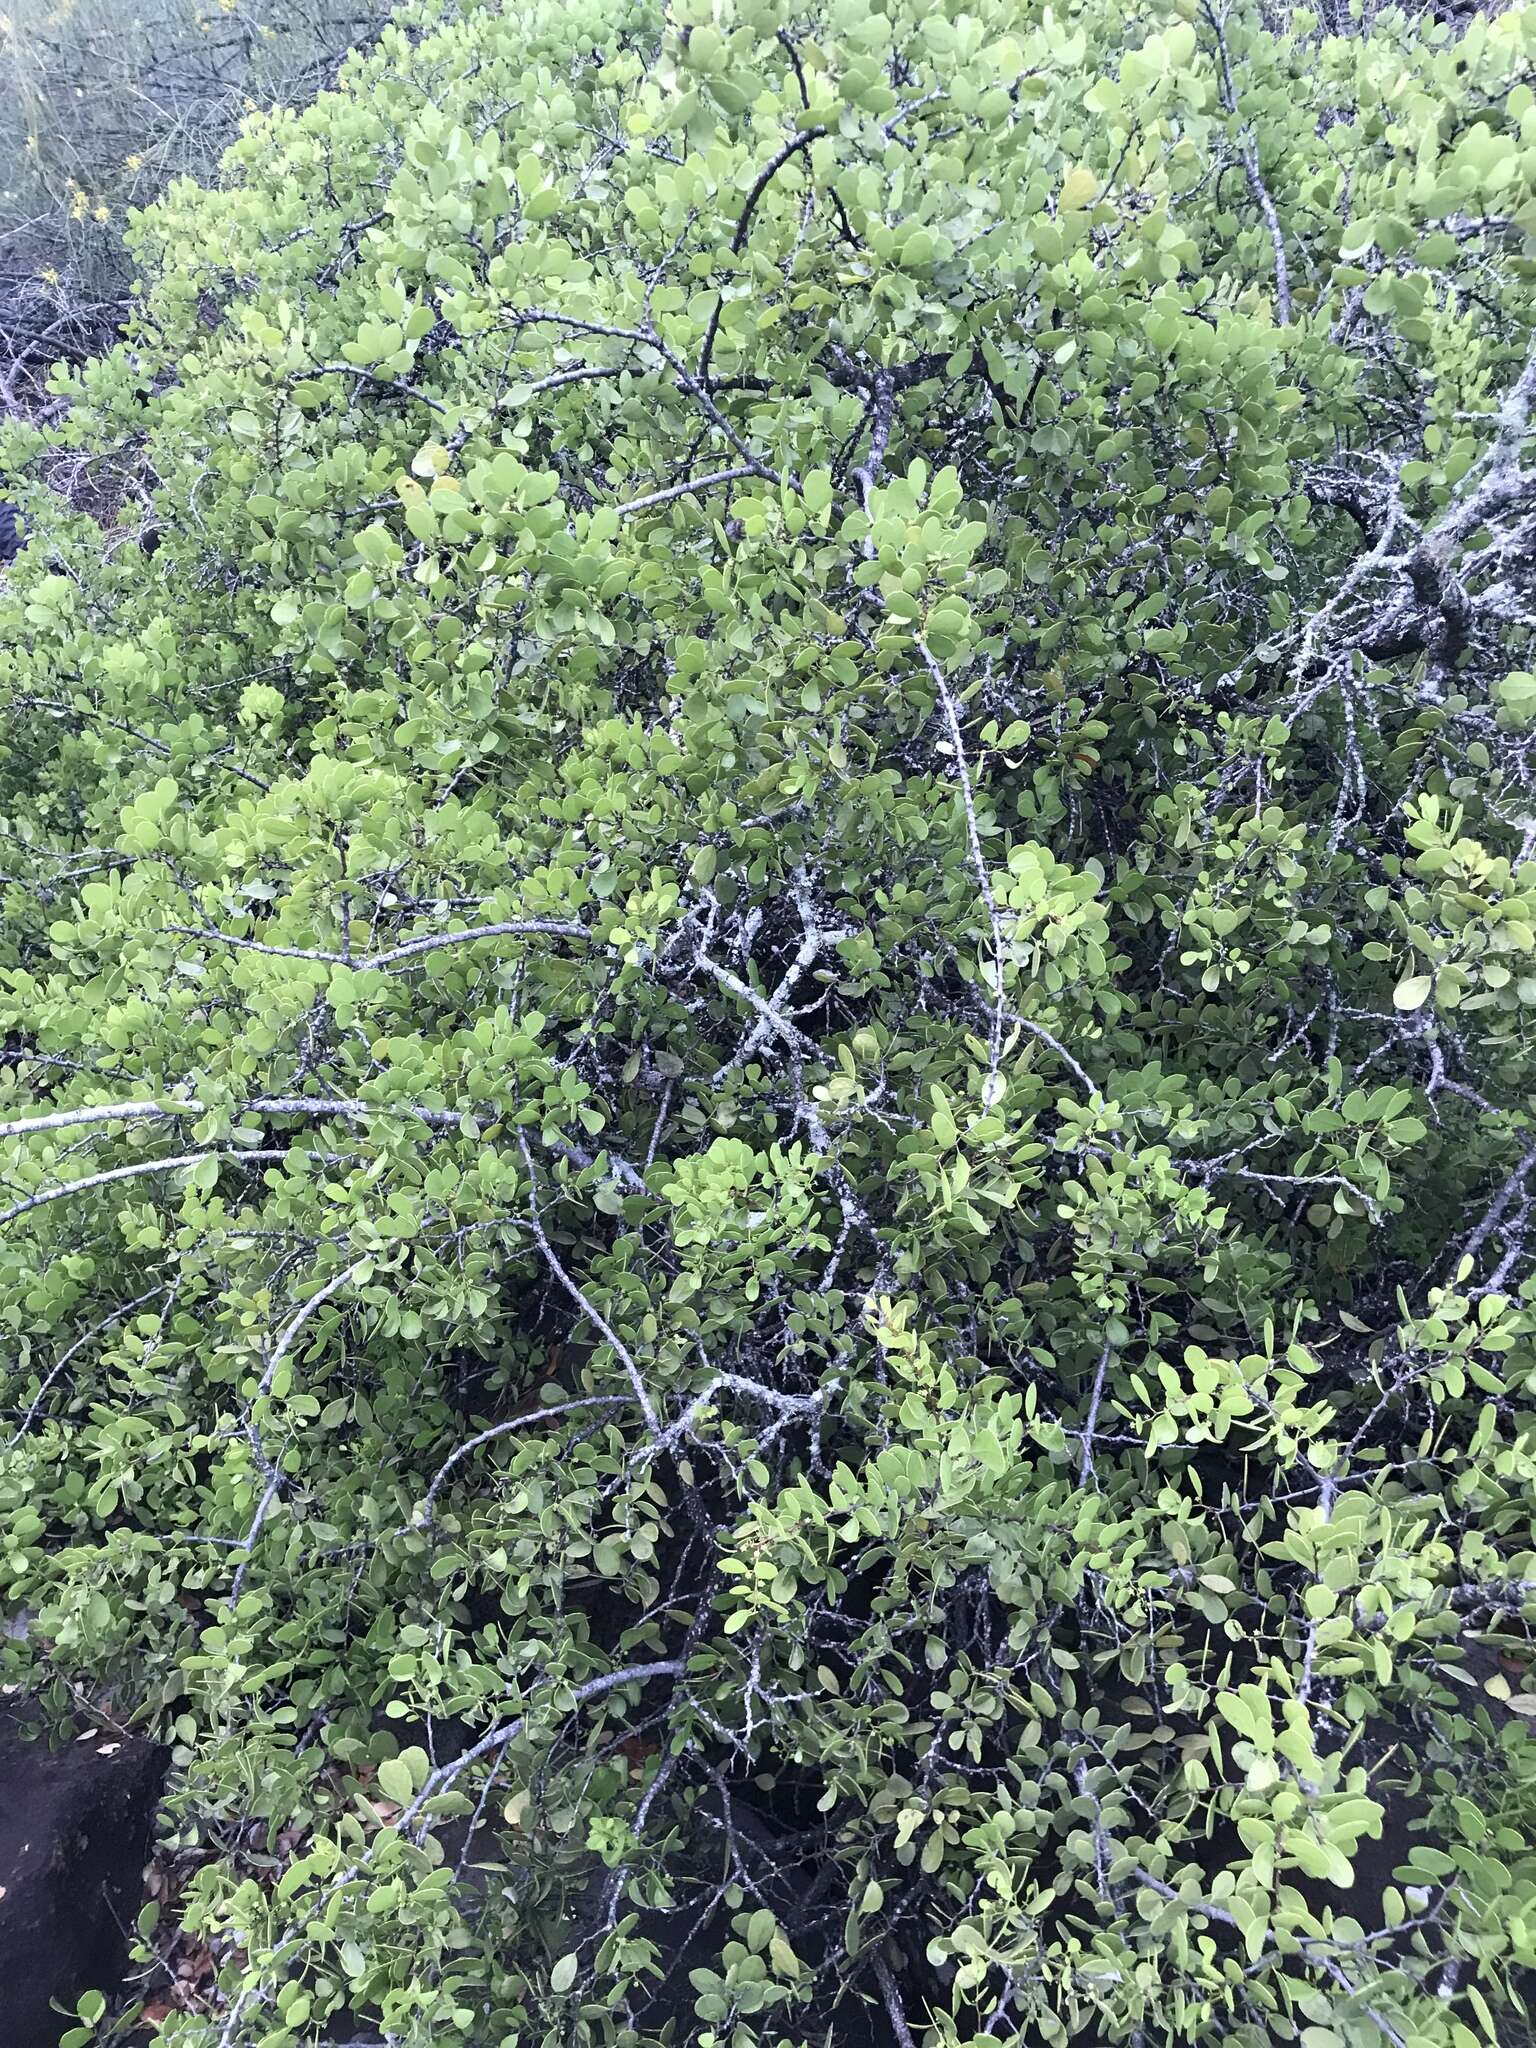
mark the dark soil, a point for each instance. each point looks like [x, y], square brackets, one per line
[74, 1834]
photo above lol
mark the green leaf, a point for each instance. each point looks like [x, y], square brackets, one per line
[1413, 991]
[990, 1451]
[563, 1975]
[395, 1781]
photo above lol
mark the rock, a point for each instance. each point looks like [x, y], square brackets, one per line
[10, 533]
[74, 1835]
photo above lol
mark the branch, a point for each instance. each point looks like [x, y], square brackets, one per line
[979, 864]
[694, 484]
[1085, 1463]
[891, 1996]
[423, 1515]
[116, 1173]
[1248, 153]
[765, 178]
[588, 1308]
[409, 949]
[1497, 1207]
[445, 1774]
[301, 1316]
[304, 1106]
[1266, 206]
[278, 1353]
[373, 377]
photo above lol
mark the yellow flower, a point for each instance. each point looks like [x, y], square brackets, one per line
[48, 274]
[134, 162]
[103, 212]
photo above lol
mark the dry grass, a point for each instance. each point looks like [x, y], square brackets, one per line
[99, 109]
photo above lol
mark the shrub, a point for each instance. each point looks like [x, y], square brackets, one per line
[767, 1112]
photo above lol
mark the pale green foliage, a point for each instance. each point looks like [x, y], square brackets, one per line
[834, 710]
